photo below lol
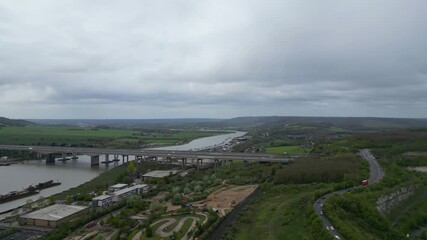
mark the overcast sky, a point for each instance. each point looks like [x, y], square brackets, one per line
[220, 59]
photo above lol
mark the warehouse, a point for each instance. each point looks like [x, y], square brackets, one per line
[53, 216]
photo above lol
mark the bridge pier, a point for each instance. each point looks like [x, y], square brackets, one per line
[39, 155]
[183, 163]
[94, 160]
[199, 164]
[64, 156]
[50, 158]
[125, 157]
[74, 157]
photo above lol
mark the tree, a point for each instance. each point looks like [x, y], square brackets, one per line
[40, 202]
[29, 203]
[187, 190]
[177, 199]
[69, 200]
[52, 200]
[131, 167]
[134, 201]
[149, 232]
[198, 188]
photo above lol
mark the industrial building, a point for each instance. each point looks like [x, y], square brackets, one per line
[115, 196]
[102, 201]
[124, 193]
[117, 187]
[159, 174]
[53, 216]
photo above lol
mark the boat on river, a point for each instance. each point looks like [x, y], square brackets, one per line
[46, 184]
[18, 194]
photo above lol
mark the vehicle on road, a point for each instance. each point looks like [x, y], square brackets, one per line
[364, 182]
[332, 228]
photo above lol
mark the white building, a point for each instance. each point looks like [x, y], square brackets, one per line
[117, 187]
[124, 193]
[102, 201]
[118, 193]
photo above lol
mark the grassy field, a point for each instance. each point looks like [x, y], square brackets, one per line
[288, 150]
[79, 136]
[279, 212]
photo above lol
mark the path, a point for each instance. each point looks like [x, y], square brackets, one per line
[169, 221]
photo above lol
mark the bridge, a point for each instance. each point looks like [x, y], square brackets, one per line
[218, 158]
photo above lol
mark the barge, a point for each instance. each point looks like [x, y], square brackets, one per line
[46, 184]
[18, 194]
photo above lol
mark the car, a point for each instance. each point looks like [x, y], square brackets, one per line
[337, 237]
[321, 205]
[332, 228]
[321, 212]
[327, 228]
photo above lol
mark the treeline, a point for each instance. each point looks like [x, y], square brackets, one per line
[349, 168]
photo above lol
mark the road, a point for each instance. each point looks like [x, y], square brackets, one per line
[375, 175]
[375, 171]
[253, 157]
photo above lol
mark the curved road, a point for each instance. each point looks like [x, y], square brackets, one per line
[375, 175]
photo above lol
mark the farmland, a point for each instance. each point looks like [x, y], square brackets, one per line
[97, 137]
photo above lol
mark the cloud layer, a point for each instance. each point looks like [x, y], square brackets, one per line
[165, 59]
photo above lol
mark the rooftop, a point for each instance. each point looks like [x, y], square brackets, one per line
[160, 173]
[119, 185]
[102, 197]
[55, 212]
[123, 191]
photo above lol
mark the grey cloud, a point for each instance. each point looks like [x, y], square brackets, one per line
[213, 58]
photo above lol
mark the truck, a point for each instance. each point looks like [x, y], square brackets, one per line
[364, 182]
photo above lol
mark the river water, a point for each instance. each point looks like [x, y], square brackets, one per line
[206, 142]
[72, 173]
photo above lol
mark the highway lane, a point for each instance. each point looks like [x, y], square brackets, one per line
[375, 171]
[375, 175]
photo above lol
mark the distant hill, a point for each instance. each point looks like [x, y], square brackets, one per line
[13, 122]
[124, 122]
[349, 123]
[336, 124]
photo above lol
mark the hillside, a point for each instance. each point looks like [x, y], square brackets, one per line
[13, 122]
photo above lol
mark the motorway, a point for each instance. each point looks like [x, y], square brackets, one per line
[252, 157]
[375, 175]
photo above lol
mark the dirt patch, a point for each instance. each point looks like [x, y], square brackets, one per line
[226, 198]
[171, 208]
[419, 169]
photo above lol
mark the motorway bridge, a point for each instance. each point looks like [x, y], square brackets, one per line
[218, 158]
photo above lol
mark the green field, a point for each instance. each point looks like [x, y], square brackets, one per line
[97, 137]
[279, 212]
[288, 150]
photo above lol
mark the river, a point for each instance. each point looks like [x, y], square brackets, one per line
[72, 173]
[206, 142]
